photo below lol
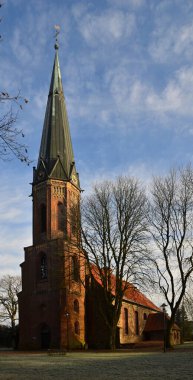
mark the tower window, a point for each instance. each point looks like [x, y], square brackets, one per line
[43, 217]
[76, 306]
[126, 326]
[60, 215]
[145, 316]
[43, 267]
[75, 269]
[74, 218]
[136, 323]
[77, 328]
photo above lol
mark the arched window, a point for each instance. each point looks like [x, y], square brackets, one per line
[75, 269]
[76, 306]
[60, 216]
[126, 326]
[77, 328]
[43, 267]
[145, 316]
[43, 218]
[136, 323]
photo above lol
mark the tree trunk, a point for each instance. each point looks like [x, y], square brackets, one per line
[112, 337]
[170, 323]
[13, 333]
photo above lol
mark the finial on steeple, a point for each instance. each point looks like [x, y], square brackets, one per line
[57, 29]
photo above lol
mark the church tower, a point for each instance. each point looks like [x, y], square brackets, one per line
[51, 303]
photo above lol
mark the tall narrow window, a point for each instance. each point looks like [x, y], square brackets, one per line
[43, 267]
[60, 216]
[136, 323]
[77, 328]
[126, 326]
[76, 306]
[43, 218]
[74, 218]
[75, 269]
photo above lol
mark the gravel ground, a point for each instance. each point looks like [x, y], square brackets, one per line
[176, 365]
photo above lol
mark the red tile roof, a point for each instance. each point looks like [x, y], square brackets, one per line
[132, 294]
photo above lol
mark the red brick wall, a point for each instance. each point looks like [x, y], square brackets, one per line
[131, 336]
[45, 302]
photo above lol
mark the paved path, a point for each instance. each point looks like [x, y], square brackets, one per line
[100, 366]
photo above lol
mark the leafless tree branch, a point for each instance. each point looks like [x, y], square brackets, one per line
[171, 226]
[114, 231]
[10, 286]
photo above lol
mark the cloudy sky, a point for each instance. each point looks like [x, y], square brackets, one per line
[127, 68]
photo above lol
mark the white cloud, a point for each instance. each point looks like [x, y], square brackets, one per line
[107, 27]
[177, 96]
[15, 220]
[15, 2]
[40, 99]
[78, 10]
[13, 238]
[127, 3]
[171, 41]
[11, 76]
[14, 204]
[9, 264]
[21, 51]
[31, 38]
[132, 95]
[128, 92]
[139, 170]
[119, 100]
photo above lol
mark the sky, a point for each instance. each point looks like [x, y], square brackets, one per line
[127, 70]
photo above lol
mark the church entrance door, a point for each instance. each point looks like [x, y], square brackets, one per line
[45, 337]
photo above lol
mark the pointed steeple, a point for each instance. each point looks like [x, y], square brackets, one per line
[56, 158]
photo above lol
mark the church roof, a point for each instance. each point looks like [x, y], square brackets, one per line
[131, 295]
[56, 157]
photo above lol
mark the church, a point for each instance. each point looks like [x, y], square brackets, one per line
[57, 309]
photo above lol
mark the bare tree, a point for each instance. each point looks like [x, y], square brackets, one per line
[10, 286]
[188, 305]
[114, 241]
[171, 225]
[10, 136]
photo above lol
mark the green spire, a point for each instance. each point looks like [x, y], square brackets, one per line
[56, 158]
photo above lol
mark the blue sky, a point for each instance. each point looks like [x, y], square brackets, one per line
[127, 69]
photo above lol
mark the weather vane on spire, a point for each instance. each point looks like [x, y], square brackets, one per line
[57, 31]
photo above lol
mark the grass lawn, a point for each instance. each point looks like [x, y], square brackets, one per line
[177, 364]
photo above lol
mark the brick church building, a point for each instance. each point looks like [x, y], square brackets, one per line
[57, 308]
